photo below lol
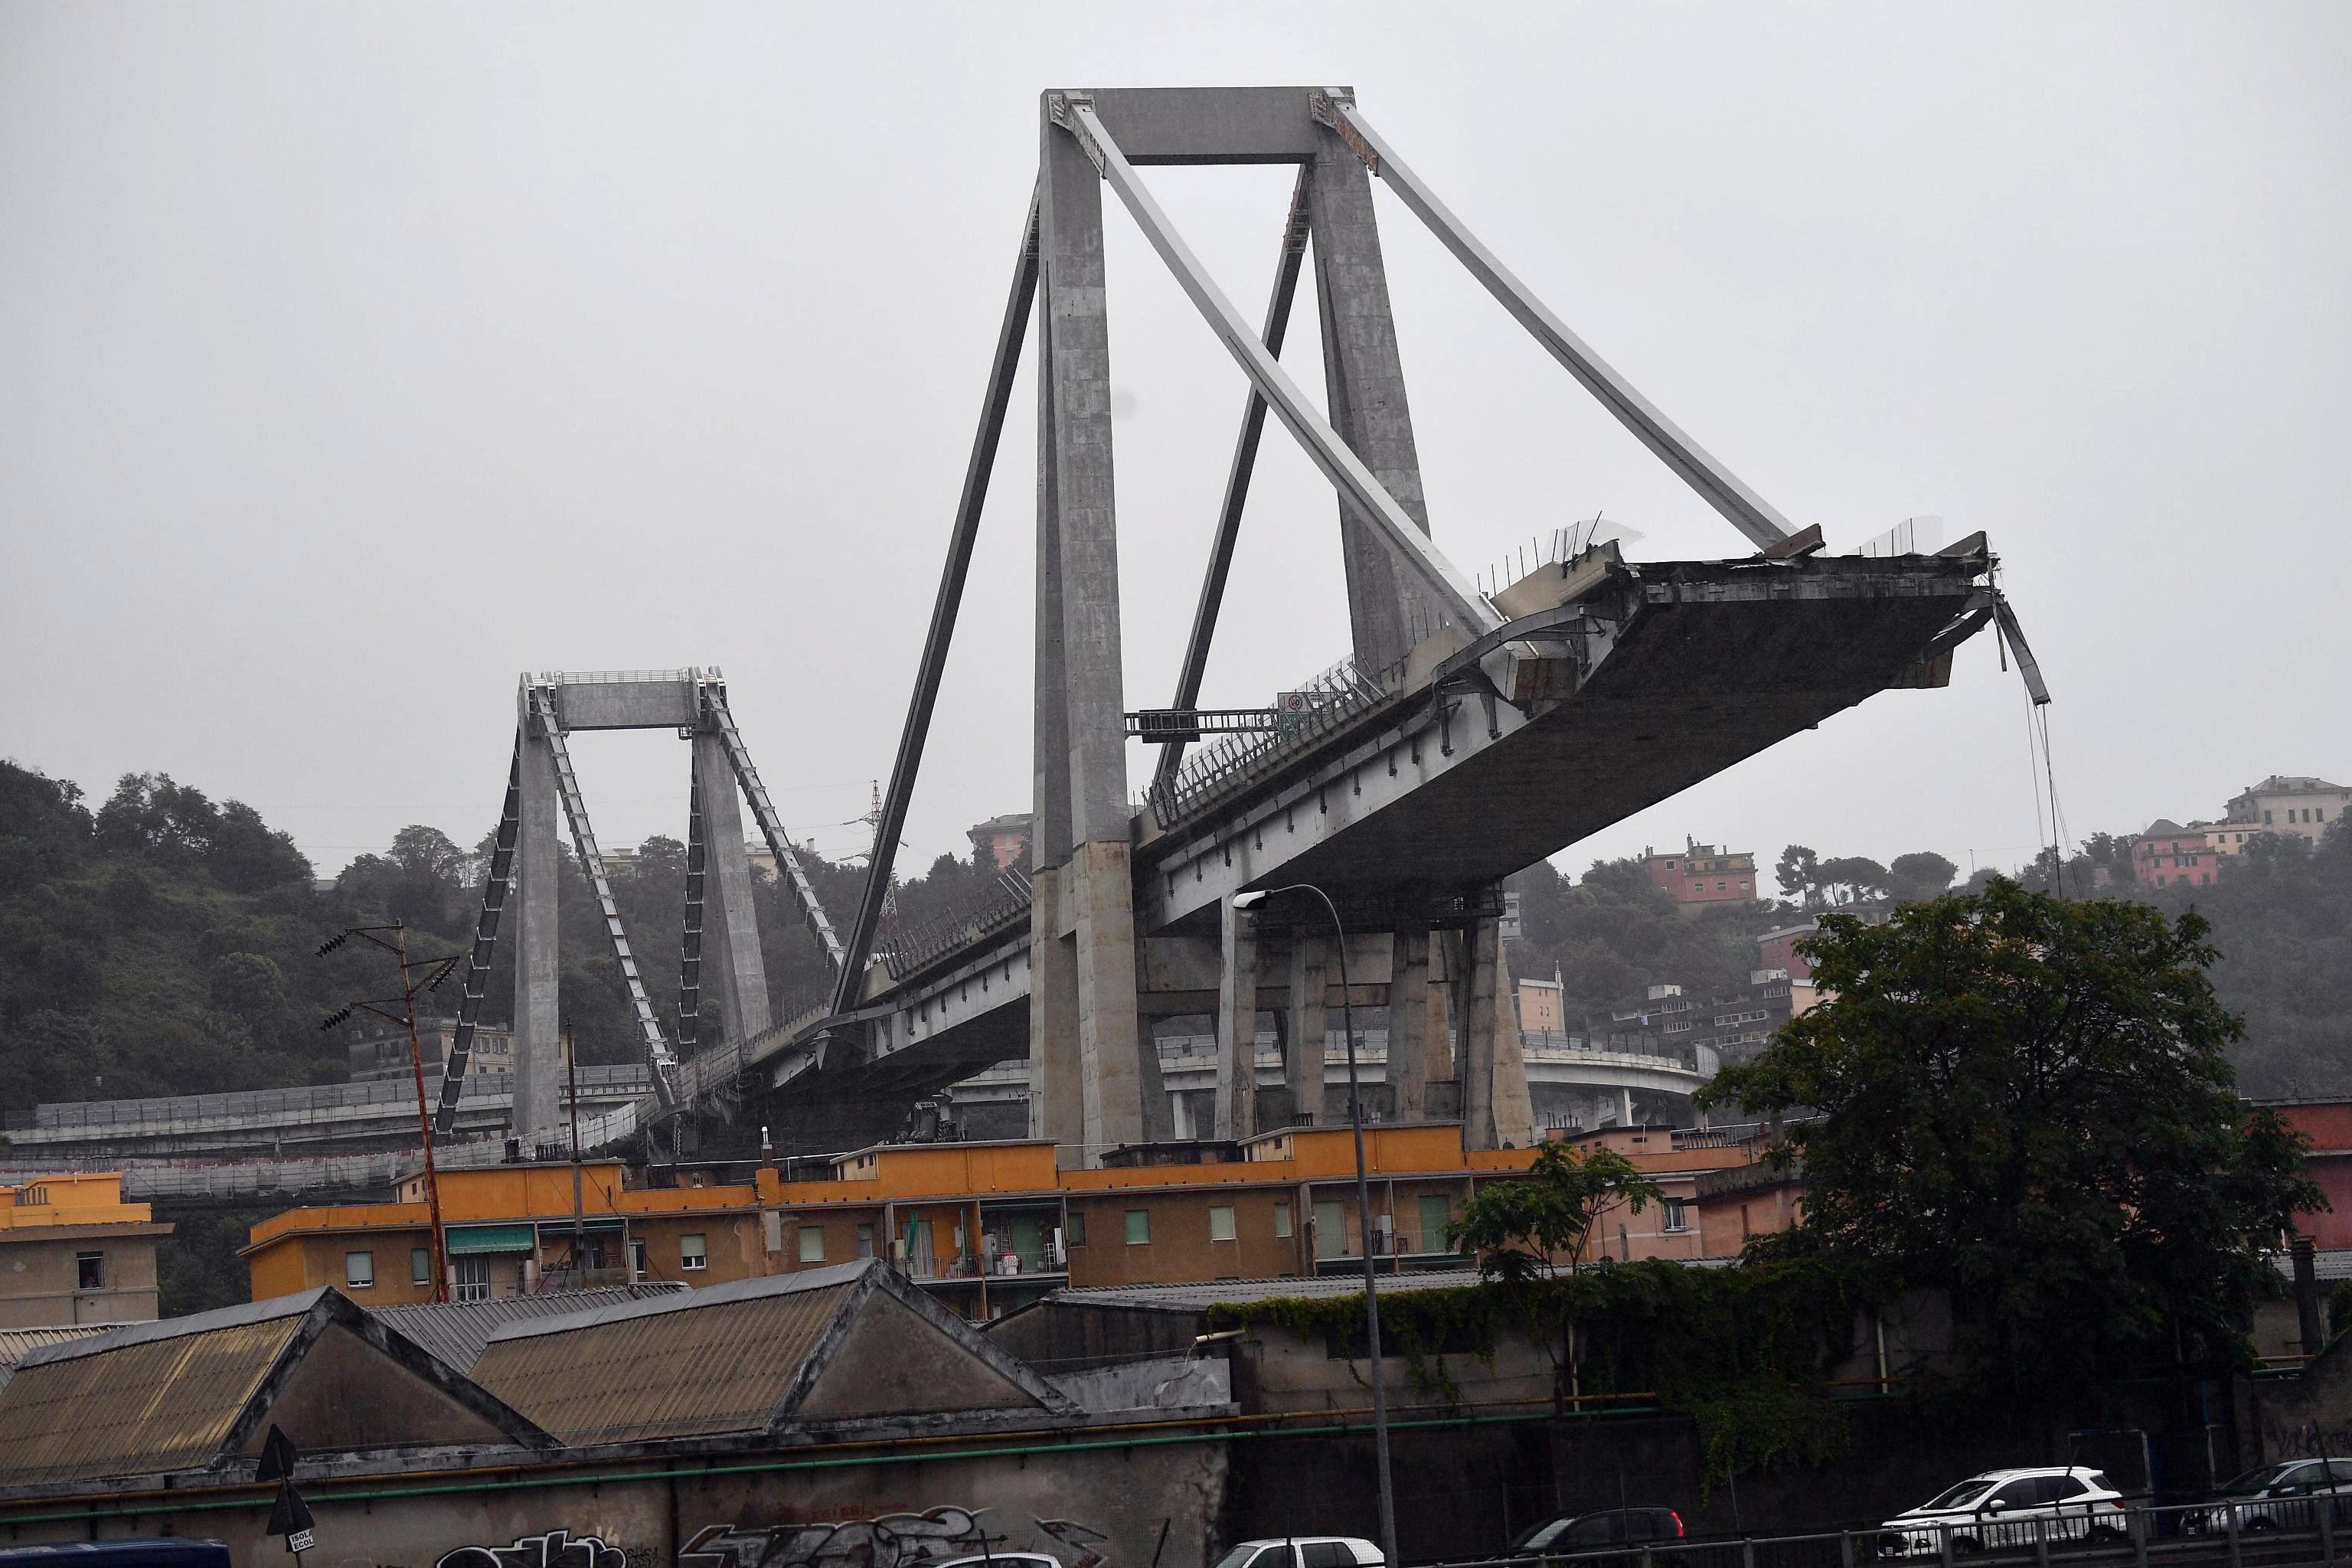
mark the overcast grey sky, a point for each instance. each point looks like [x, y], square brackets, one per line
[354, 359]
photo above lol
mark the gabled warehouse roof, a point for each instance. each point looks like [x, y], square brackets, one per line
[824, 1346]
[203, 1390]
[456, 1330]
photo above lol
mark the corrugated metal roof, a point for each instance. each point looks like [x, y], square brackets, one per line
[456, 1332]
[16, 1343]
[695, 1300]
[1242, 1292]
[2327, 1264]
[119, 1404]
[268, 1309]
[664, 1369]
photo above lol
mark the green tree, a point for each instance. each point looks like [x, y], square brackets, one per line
[2026, 1101]
[1922, 874]
[1798, 872]
[1532, 1230]
[1527, 1233]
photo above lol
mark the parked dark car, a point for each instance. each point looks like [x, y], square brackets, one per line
[1598, 1531]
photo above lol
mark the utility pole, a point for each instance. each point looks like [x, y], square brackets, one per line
[579, 1222]
[419, 974]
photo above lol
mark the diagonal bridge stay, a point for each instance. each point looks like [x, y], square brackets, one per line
[1466, 734]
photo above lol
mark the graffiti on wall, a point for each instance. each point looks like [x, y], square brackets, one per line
[556, 1549]
[887, 1540]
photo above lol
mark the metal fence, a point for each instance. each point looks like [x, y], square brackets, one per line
[1213, 772]
[2267, 1533]
[295, 1103]
[1005, 903]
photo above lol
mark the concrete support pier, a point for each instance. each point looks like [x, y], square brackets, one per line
[1495, 1112]
[1418, 1052]
[732, 967]
[1237, 1024]
[1302, 1043]
[538, 1027]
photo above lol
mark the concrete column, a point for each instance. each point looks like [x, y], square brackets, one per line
[732, 968]
[1481, 957]
[1237, 1024]
[1111, 1041]
[537, 1004]
[1496, 1111]
[1302, 1056]
[1054, 1077]
[1078, 525]
[1410, 1054]
[1364, 382]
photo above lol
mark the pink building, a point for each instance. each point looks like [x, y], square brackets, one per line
[2170, 855]
[1704, 874]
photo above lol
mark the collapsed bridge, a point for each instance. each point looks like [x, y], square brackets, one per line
[1466, 735]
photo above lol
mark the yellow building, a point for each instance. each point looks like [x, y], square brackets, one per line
[71, 1251]
[985, 1226]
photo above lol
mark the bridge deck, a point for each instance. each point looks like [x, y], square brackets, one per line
[1691, 667]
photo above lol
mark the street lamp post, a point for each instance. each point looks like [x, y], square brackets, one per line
[1363, 1207]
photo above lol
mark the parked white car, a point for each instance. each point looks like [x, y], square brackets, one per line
[2011, 1508]
[2279, 1497]
[1304, 1551]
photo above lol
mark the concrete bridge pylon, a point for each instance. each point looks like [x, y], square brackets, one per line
[720, 938]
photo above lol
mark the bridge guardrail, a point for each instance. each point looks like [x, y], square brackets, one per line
[2184, 1535]
[1215, 771]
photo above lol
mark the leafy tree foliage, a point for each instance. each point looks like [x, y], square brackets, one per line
[1799, 873]
[1923, 874]
[1528, 1234]
[1534, 1229]
[2026, 1101]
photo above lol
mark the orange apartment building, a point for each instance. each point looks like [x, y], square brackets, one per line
[71, 1251]
[986, 1227]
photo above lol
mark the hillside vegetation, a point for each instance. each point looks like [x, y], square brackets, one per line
[162, 943]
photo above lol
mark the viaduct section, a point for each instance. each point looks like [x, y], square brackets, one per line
[1465, 733]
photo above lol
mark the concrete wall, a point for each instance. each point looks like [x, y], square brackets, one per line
[1105, 1506]
[39, 1275]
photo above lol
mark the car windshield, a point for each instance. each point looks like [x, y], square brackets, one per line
[2259, 1480]
[1535, 1540]
[1238, 1555]
[1960, 1496]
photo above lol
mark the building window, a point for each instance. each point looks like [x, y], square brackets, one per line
[420, 1266]
[1139, 1227]
[637, 1269]
[813, 1243]
[865, 1241]
[1677, 1215]
[2266, 819]
[1077, 1227]
[1281, 1219]
[89, 1270]
[1221, 1222]
[359, 1270]
[692, 1254]
[474, 1278]
[1437, 1213]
